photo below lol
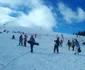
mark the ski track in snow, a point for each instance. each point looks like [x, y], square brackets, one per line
[13, 60]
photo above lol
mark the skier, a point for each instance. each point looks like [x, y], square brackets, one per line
[13, 37]
[77, 47]
[21, 40]
[73, 45]
[31, 44]
[62, 37]
[4, 30]
[25, 40]
[56, 46]
[61, 42]
[35, 35]
[69, 44]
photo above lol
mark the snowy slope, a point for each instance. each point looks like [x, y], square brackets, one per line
[14, 57]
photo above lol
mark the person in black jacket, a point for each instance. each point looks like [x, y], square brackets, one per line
[69, 44]
[56, 46]
[31, 44]
[21, 40]
[13, 37]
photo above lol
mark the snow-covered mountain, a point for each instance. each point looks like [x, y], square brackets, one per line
[14, 57]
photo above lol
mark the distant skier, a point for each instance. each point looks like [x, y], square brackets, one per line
[25, 40]
[7, 32]
[4, 30]
[77, 47]
[73, 45]
[31, 44]
[35, 35]
[13, 37]
[56, 46]
[21, 40]
[62, 37]
[69, 44]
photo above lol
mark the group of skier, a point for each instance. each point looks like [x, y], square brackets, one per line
[74, 44]
[71, 44]
[23, 41]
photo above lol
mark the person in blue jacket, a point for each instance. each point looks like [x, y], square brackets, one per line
[31, 44]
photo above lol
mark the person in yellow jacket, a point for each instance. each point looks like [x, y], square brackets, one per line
[73, 45]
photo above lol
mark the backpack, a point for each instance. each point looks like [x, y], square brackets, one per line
[79, 49]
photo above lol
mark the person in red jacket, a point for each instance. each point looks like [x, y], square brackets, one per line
[25, 40]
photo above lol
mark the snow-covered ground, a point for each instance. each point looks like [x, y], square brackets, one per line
[14, 57]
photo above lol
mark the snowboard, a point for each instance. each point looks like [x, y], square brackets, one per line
[34, 43]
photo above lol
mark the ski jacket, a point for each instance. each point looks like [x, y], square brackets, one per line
[57, 42]
[69, 43]
[25, 39]
[32, 39]
[20, 38]
[77, 44]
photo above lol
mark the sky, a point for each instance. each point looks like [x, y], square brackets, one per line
[65, 16]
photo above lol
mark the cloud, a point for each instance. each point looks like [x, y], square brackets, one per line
[81, 14]
[12, 3]
[69, 15]
[39, 15]
[18, 3]
[4, 15]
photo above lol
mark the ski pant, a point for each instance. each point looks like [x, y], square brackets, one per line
[72, 48]
[31, 47]
[60, 45]
[20, 43]
[76, 50]
[69, 47]
[56, 47]
[24, 43]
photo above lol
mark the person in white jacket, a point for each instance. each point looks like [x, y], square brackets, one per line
[77, 45]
